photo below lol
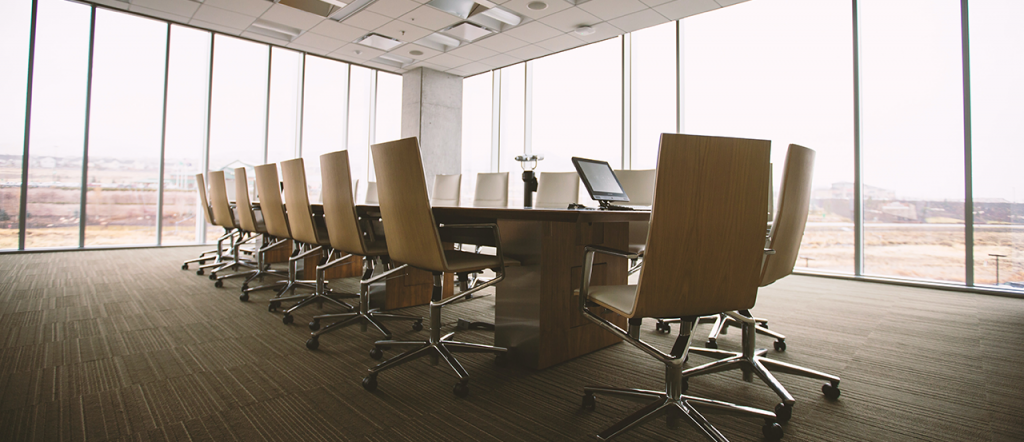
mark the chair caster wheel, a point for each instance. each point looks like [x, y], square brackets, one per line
[202, 262]
[764, 324]
[772, 431]
[218, 284]
[245, 287]
[461, 389]
[711, 344]
[376, 353]
[589, 402]
[273, 306]
[314, 325]
[780, 345]
[370, 383]
[287, 319]
[417, 326]
[783, 413]
[313, 343]
[213, 276]
[200, 272]
[831, 391]
[663, 327]
[184, 266]
[244, 297]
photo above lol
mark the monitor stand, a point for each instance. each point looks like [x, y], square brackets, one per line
[605, 205]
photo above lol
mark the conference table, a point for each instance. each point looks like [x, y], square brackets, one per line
[536, 311]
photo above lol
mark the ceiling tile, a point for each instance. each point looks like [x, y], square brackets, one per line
[602, 31]
[500, 60]
[724, 3]
[473, 52]
[470, 69]
[519, 6]
[427, 52]
[112, 3]
[307, 49]
[289, 16]
[561, 43]
[177, 7]
[447, 61]
[609, 9]
[254, 8]
[159, 14]
[425, 64]
[678, 9]
[215, 27]
[570, 19]
[653, 3]
[533, 32]
[501, 43]
[403, 31]
[323, 43]
[529, 52]
[265, 39]
[223, 17]
[392, 8]
[639, 20]
[430, 18]
[368, 20]
[364, 53]
[338, 31]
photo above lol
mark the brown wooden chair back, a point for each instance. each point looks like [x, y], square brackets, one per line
[296, 201]
[201, 186]
[791, 218]
[246, 219]
[270, 201]
[339, 205]
[219, 204]
[409, 224]
[706, 243]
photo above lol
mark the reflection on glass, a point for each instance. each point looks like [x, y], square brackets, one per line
[996, 97]
[653, 87]
[285, 90]
[912, 115]
[388, 123]
[476, 131]
[188, 81]
[238, 115]
[57, 136]
[126, 116]
[324, 116]
[512, 114]
[752, 71]
[15, 18]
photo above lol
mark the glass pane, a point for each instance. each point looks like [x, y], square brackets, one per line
[512, 114]
[388, 123]
[912, 116]
[126, 119]
[477, 98]
[751, 71]
[323, 117]
[188, 86]
[57, 137]
[15, 20]
[996, 95]
[578, 114]
[360, 96]
[239, 108]
[285, 92]
[653, 89]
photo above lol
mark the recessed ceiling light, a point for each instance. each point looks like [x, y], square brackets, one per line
[467, 31]
[537, 6]
[415, 52]
[378, 41]
[585, 30]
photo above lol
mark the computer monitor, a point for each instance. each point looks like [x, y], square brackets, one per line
[600, 180]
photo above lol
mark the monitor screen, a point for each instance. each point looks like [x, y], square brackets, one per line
[600, 180]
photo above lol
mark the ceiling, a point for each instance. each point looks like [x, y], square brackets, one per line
[415, 25]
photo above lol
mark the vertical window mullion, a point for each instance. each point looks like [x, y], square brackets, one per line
[858, 182]
[968, 146]
[163, 142]
[85, 144]
[23, 203]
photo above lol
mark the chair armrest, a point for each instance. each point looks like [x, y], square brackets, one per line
[611, 251]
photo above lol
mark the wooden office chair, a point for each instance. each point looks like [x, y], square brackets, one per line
[353, 236]
[224, 216]
[704, 253]
[491, 190]
[556, 190]
[413, 238]
[786, 234]
[309, 234]
[639, 186]
[216, 254]
[248, 222]
[447, 190]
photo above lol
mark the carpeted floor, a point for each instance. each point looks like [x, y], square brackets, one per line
[123, 345]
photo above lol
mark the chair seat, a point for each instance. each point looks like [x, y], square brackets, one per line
[459, 261]
[637, 249]
[618, 298]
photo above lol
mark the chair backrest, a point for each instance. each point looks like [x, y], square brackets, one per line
[638, 184]
[219, 204]
[790, 219]
[246, 219]
[371, 193]
[339, 205]
[296, 201]
[557, 190]
[201, 186]
[491, 190]
[447, 190]
[270, 201]
[405, 207]
[706, 243]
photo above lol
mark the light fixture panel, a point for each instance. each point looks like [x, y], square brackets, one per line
[468, 31]
[378, 41]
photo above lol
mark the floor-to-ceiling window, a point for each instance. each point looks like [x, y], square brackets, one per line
[15, 23]
[512, 133]
[477, 105]
[912, 138]
[285, 105]
[387, 124]
[997, 94]
[652, 92]
[324, 112]
[360, 104]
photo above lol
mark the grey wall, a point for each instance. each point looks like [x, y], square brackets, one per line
[432, 111]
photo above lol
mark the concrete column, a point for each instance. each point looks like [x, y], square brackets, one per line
[432, 112]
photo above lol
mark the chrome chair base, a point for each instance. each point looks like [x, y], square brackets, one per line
[722, 322]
